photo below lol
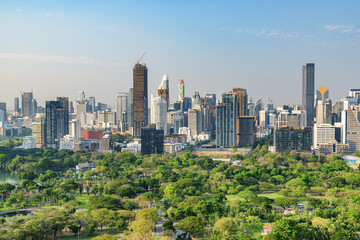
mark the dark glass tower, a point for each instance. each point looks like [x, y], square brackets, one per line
[140, 98]
[27, 104]
[308, 90]
[56, 121]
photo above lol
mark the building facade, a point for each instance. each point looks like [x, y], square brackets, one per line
[287, 140]
[308, 83]
[140, 98]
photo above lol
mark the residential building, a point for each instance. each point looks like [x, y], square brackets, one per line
[245, 131]
[226, 120]
[286, 139]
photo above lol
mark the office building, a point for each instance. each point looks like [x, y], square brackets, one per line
[226, 120]
[152, 140]
[196, 101]
[82, 97]
[39, 130]
[211, 100]
[92, 134]
[181, 90]
[159, 113]
[16, 105]
[245, 131]
[56, 121]
[3, 109]
[121, 106]
[195, 121]
[186, 104]
[242, 104]
[287, 140]
[163, 90]
[308, 82]
[351, 128]
[323, 134]
[92, 104]
[75, 128]
[140, 98]
[107, 119]
[27, 104]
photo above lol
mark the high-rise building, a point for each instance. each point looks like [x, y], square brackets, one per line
[159, 113]
[34, 106]
[195, 121]
[163, 90]
[323, 134]
[286, 139]
[181, 90]
[82, 96]
[27, 104]
[308, 82]
[16, 105]
[196, 101]
[242, 104]
[226, 120]
[75, 128]
[107, 119]
[140, 98]
[152, 140]
[39, 130]
[130, 110]
[186, 104]
[323, 106]
[211, 100]
[351, 128]
[121, 105]
[56, 121]
[92, 104]
[3, 109]
[245, 131]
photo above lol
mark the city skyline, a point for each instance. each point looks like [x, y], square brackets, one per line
[89, 44]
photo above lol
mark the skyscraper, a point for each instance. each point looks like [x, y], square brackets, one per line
[196, 101]
[3, 111]
[242, 104]
[140, 98]
[92, 104]
[163, 90]
[226, 120]
[159, 113]
[121, 105]
[130, 110]
[27, 104]
[56, 121]
[308, 82]
[181, 90]
[16, 105]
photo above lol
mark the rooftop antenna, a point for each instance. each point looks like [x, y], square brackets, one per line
[138, 61]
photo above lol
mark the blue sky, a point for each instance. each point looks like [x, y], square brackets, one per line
[57, 48]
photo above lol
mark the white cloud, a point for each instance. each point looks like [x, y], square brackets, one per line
[341, 28]
[48, 14]
[272, 33]
[18, 10]
[50, 59]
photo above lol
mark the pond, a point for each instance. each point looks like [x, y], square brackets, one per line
[17, 213]
[7, 177]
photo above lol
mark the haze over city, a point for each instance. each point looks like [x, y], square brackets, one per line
[57, 48]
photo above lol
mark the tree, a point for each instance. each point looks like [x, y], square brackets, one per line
[102, 216]
[192, 225]
[227, 227]
[5, 189]
[104, 237]
[144, 223]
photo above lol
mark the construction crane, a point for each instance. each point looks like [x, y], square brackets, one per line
[138, 61]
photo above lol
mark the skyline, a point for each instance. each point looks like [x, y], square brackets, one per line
[240, 44]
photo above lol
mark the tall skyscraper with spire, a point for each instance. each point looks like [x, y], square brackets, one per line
[140, 98]
[181, 90]
[308, 83]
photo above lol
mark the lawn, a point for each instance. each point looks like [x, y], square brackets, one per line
[272, 195]
[16, 140]
[231, 198]
[83, 199]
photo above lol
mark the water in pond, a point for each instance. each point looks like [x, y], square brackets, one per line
[7, 177]
[17, 213]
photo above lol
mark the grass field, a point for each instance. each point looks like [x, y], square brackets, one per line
[82, 200]
[16, 140]
[270, 195]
